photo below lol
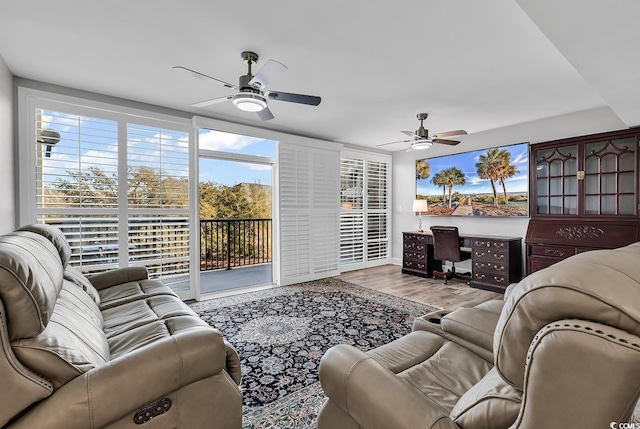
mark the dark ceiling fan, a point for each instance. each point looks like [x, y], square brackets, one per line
[252, 95]
[420, 138]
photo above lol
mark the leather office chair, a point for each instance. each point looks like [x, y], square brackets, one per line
[446, 247]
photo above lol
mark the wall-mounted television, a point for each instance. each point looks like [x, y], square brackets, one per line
[487, 182]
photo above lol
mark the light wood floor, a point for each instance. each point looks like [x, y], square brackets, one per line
[389, 279]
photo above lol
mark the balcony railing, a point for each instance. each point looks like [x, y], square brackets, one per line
[229, 243]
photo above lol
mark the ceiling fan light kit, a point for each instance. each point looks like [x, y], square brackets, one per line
[252, 92]
[422, 144]
[249, 102]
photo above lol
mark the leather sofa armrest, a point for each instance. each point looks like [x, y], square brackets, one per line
[580, 374]
[374, 396]
[118, 276]
[123, 385]
[233, 363]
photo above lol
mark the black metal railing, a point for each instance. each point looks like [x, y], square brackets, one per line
[228, 243]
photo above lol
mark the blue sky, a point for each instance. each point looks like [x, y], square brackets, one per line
[466, 162]
[232, 172]
[87, 142]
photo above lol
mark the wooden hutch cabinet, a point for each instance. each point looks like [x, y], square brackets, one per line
[584, 196]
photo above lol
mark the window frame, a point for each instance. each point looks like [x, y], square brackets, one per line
[31, 99]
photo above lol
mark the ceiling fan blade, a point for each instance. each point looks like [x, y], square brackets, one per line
[213, 101]
[448, 142]
[203, 76]
[265, 114]
[311, 100]
[411, 134]
[450, 134]
[400, 141]
[265, 75]
[409, 149]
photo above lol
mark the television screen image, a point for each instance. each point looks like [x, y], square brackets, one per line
[486, 182]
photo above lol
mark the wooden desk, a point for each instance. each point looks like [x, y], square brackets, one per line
[496, 261]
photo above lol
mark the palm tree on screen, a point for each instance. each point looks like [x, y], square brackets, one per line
[453, 176]
[438, 179]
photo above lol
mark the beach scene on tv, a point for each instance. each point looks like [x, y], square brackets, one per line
[487, 182]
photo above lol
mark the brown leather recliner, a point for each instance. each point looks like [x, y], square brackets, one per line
[116, 350]
[565, 354]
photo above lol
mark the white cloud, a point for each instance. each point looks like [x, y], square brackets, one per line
[217, 140]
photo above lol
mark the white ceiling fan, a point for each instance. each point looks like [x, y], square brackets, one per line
[252, 95]
[420, 138]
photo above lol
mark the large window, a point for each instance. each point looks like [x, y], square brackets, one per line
[364, 209]
[98, 174]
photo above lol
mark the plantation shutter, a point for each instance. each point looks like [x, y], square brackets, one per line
[309, 215]
[364, 209]
[158, 203]
[351, 211]
[377, 208]
[77, 184]
[115, 184]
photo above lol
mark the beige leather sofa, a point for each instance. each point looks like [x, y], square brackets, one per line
[115, 350]
[564, 352]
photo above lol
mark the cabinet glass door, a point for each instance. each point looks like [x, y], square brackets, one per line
[556, 180]
[609, 182]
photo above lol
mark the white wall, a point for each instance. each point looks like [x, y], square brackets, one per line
[404, 183]
[7, 171]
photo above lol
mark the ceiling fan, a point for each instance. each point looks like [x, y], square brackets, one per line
[252, 95]
[420, 138]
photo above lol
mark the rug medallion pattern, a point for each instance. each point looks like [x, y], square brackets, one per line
[282, 333]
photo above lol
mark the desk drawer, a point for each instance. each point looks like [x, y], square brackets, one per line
[410, 246]
[498, 267]
[414, 238]
[491, 278]
[414, 256]
[489, 255]
[414, 265]
[490, 244]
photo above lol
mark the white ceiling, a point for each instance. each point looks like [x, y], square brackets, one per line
[475, 65]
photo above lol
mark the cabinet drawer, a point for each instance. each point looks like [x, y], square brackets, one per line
[489, 244]
[489, 255]
[414, 256]
[414, 265]
[561, 252]
[414, 247]
[491, 278]
[499, 267]
[414, 238]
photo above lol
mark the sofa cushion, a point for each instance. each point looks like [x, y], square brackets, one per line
[55, 236]
[132, 291]
[490, 404]
[30, 279]
[76, 277]
[142, 336]
[438, 368]
[131, 315]
[572, 288]
[72, 343]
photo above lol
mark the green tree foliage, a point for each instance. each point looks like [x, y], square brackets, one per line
[496, 166]
[438, 179]
[240, 201]
[451, 177]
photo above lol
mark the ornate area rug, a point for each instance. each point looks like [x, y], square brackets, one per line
[282, 333]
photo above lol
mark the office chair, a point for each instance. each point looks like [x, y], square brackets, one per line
[446, 247]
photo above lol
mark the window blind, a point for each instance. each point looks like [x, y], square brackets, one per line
[106, 174]
[309, 214]
[364, 209]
